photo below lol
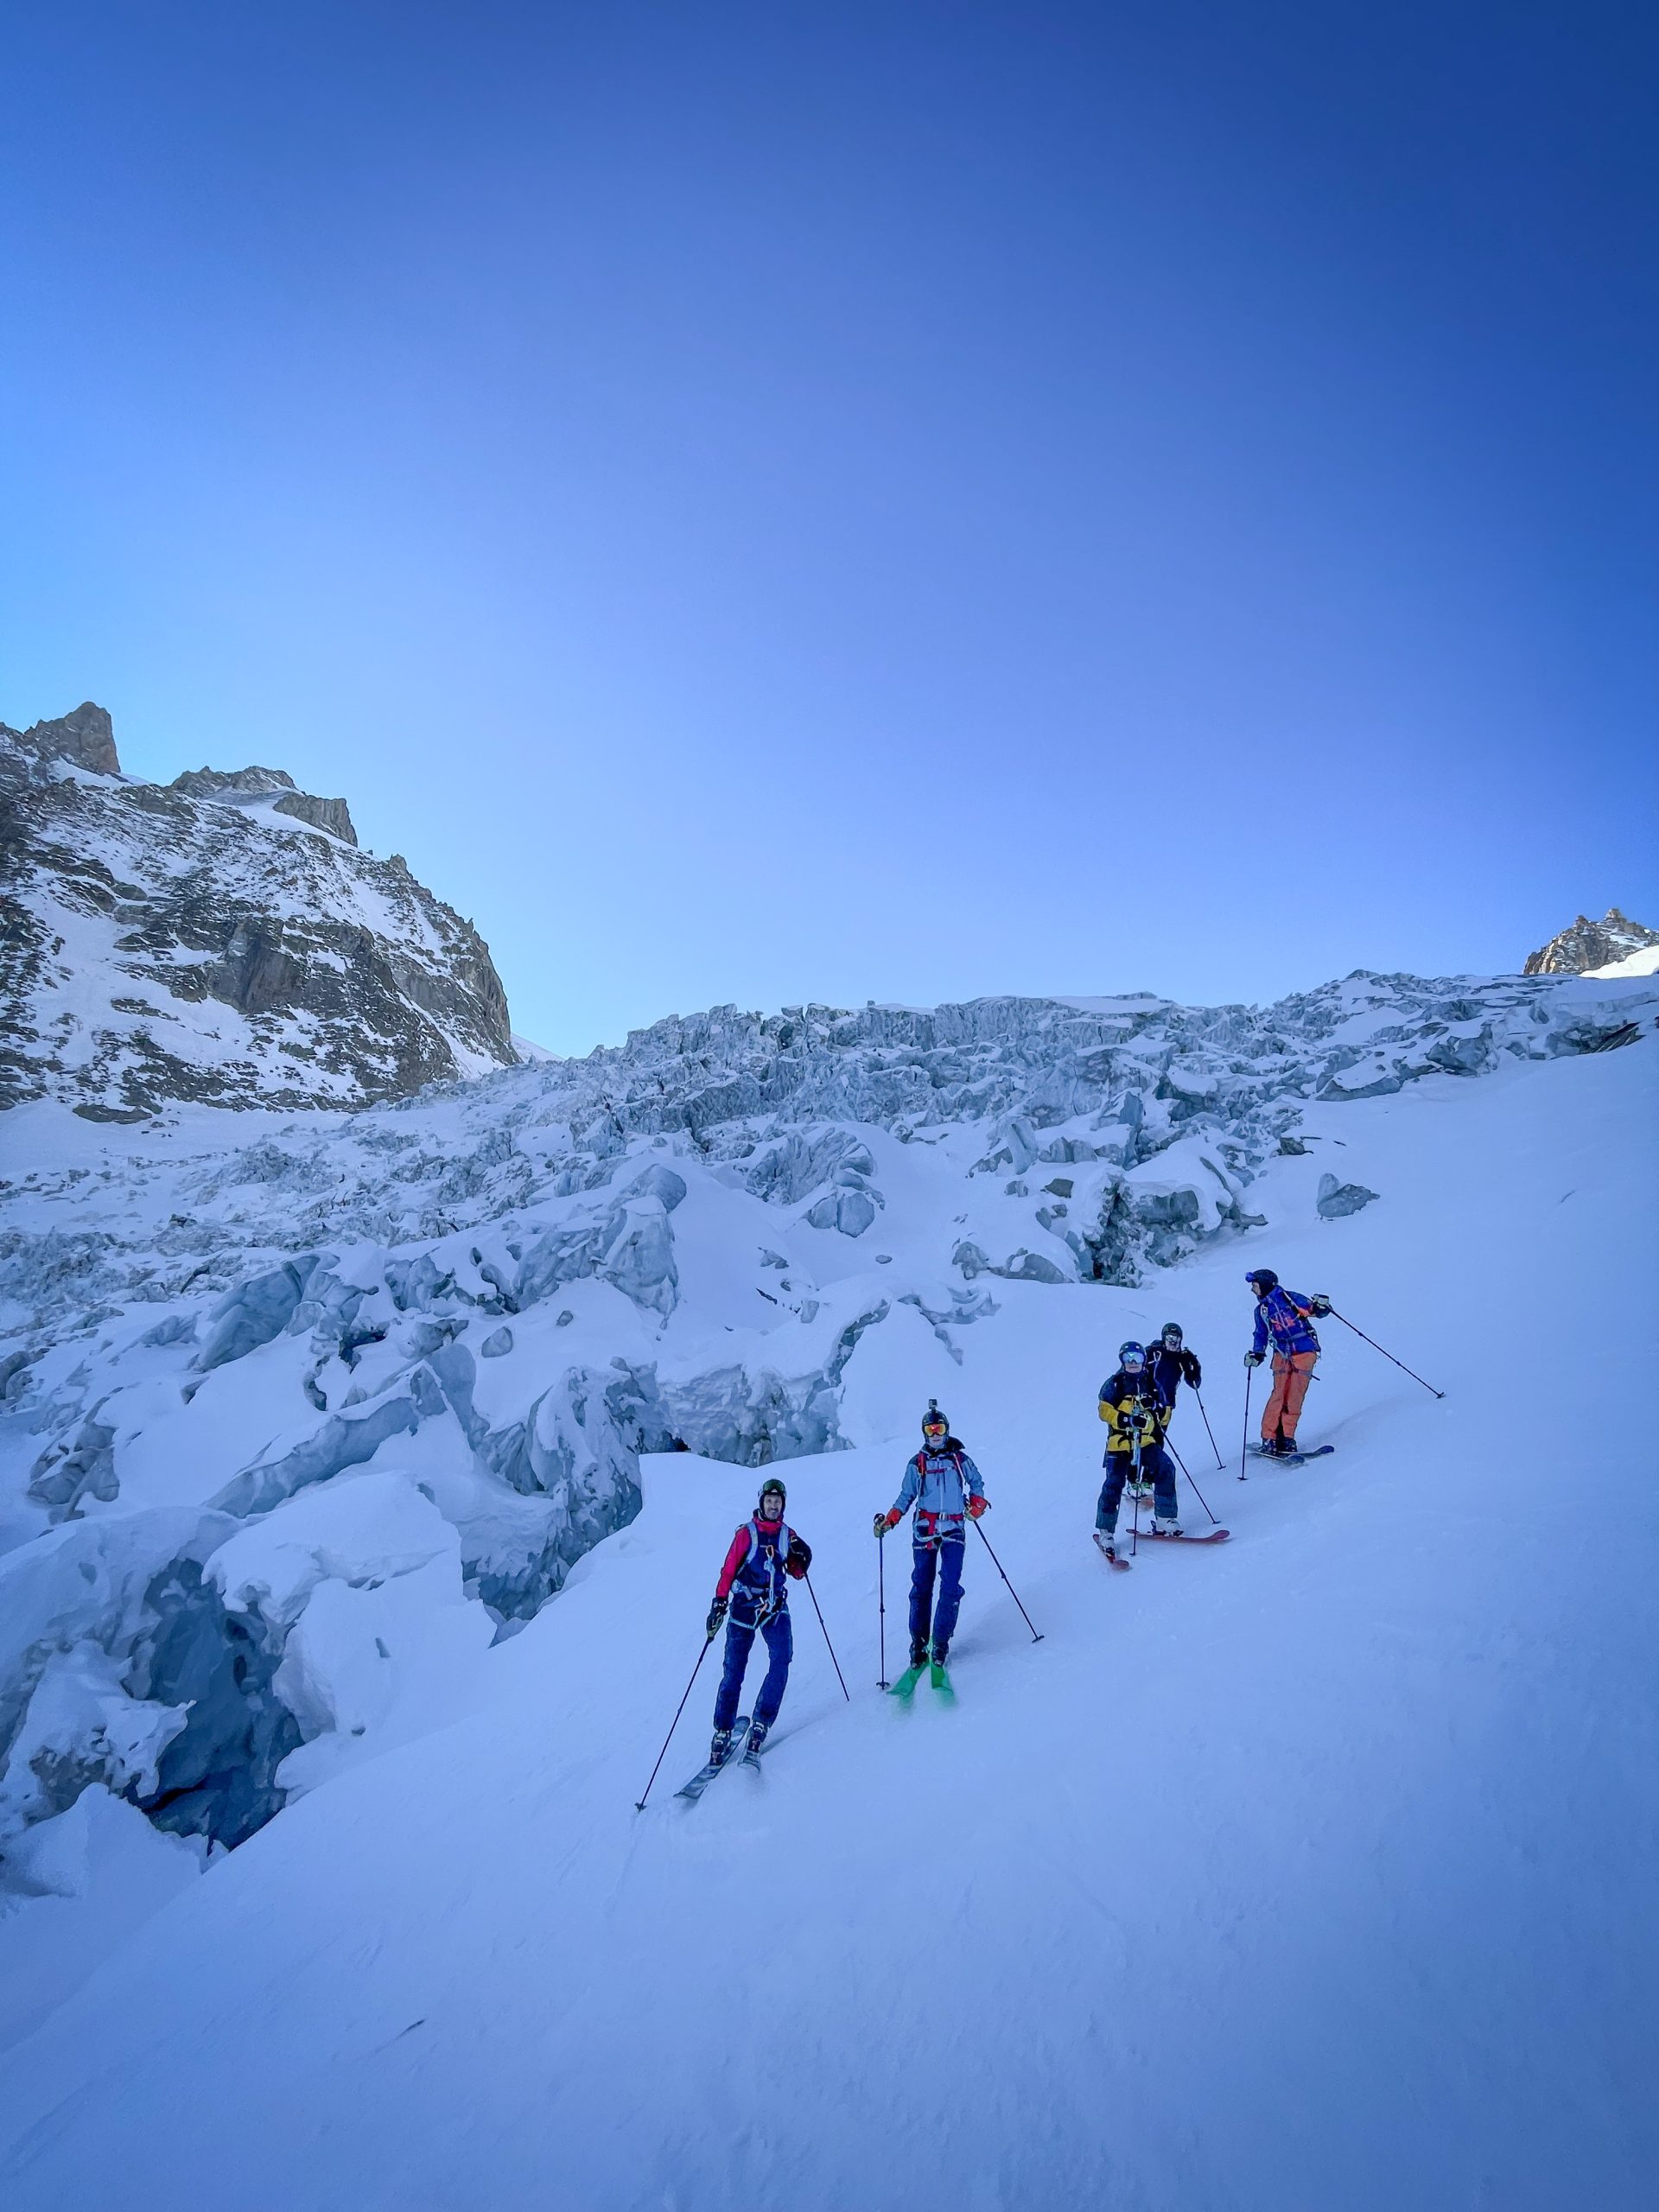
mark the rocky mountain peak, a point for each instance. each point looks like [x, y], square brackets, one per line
[87, 737]
[1585, 944]
[193, 942]
[242, 786]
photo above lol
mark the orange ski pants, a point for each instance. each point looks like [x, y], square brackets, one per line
[1290, 1380]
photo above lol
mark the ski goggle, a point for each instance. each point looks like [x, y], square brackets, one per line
[1132, 1360]
[934, 1429]
[1171, 1336]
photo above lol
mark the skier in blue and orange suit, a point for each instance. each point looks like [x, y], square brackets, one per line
[1284, 1319]
[765, 1554]
[947, 1490]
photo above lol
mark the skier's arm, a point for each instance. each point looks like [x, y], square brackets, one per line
[1192, 1370]
[734, 1559]
[908, 1491]
[973, 1482]
[1259, 1342]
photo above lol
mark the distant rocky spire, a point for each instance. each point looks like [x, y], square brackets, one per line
[87, 737]
[1585, 945]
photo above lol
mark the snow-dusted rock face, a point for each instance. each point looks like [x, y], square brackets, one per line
[235, 1357]
[219, 939]
[1584, 946]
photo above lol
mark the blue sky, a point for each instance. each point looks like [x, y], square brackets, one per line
[773, 502]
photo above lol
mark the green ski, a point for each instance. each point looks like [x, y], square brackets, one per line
[905, 1685]
[942, 1682]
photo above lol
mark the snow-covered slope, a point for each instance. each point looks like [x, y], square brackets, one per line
[1309, 1871]
[220, 939]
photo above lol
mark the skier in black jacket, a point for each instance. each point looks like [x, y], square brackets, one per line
[1170, 1364]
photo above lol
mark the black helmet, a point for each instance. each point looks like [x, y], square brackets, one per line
[1172, 1329]
[771, 1482]
[934, 1419]
[1264, 1278]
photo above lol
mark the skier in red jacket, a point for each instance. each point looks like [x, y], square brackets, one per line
[765, 1554]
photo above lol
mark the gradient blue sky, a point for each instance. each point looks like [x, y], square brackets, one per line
[772, 502]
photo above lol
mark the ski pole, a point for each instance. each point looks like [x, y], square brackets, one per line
[833, 1662]
[1196, 1492]
[1134, 1491]
[1211, 1433]
[1013, 1592]
[1375, 1346]
[639, 1805]
[881, 1595]
[1250, 1376]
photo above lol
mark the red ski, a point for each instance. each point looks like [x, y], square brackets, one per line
[1110, 1558]
[1161, 1536]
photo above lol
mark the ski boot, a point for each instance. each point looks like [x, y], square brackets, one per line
[1107, 1539]
[721, 1750]
[1165, 1524]
[918, 1651]
[758, 1734]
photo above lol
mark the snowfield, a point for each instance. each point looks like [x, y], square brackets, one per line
[1312, 1869]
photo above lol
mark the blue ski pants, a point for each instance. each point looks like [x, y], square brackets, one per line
[1154, 1462]
[740, 1641]
[942, 1560]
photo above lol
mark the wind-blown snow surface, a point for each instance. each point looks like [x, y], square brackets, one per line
[1313, 1870]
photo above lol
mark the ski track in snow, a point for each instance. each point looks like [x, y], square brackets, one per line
[1312, 1871]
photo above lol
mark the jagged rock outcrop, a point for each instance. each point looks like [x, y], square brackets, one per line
[201, 941]
[1585, 945]
[87, 738]
[240, 786]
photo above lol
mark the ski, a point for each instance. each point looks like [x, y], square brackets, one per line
[700, 1779]
[1162, 1536]
[941, 1681]
[905, 1685]
[1291, 1459]
[1110, 1558]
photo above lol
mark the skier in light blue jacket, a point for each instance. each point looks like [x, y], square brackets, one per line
[947, 1490]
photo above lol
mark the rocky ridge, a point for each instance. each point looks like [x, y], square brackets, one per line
[1585, 945]
[220, 940]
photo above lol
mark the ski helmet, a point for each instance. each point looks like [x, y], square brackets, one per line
[1172, 1329]
[1131, 1351]
[770, 1483]
[933, 1419]
[1264, 1278]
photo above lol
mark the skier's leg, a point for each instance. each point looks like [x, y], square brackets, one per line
[1296, 1383]
[780, 1649]
[739, 1636]
[1111, 1491]
[952, 1552]
[925, 1560]
[1274, 1410]
[1161, 1467]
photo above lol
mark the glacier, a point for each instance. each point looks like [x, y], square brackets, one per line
[304, 1426]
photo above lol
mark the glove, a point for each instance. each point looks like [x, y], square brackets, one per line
[884, 1521]
[799, 1558]
[1318, 1303]
[716, 1614]
[1254, 1359]
[1192, 1370]
[977, 1506]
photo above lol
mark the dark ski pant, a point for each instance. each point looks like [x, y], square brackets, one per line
[1154, 1462]
[739, 1640]
[943, 1560]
